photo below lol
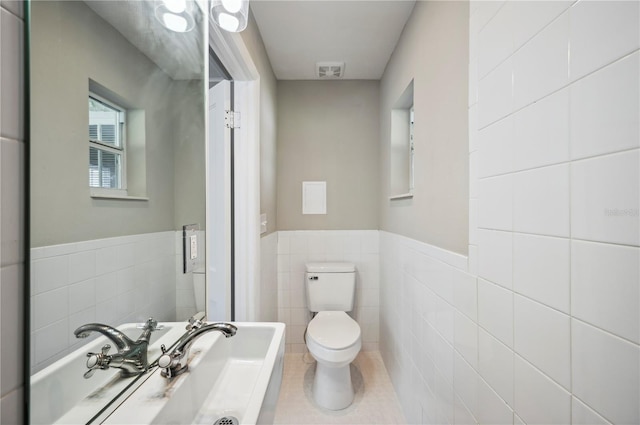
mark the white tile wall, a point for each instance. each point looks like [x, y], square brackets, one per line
[604, 287]
[296, 248]
[541, 201]
[538, 400]
[550, 284]
[605, 198]
[605, 371]
[495, 364]
[601, 33]
[496, 257]
[269, 278]
[547, 51]
[113, 281]
[542, 336]
[536, 145]
[595, 127]
[12, 211]
[495, 311]
[546, 325]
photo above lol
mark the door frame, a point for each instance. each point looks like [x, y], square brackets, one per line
[234, 55]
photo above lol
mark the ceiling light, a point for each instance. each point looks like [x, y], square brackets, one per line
[173, 15]
[230, 15]
[174, 22]
[228, 22]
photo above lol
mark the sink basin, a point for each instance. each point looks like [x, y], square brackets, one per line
[238, 376]
[61, 394]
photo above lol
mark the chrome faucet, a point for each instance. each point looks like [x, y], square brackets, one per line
[176, 362]
[131, 356]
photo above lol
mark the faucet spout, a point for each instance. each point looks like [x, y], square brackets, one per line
[175, 362]
[122, 342]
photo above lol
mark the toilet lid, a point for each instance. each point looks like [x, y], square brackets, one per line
[334, 330]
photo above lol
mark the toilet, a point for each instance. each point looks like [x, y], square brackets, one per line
[333, 337]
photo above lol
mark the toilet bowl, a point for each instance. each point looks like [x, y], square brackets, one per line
[334, 340]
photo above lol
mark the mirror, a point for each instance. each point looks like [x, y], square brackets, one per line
[401, 145]
[117, 168]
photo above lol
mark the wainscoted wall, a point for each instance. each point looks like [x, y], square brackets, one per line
[268, 311]
[296, 248]
[554, 149]
[428, 316]
[12, 214]
[548, 332]
[113, 281]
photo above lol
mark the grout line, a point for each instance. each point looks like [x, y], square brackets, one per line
[565, 86]
[516, 50]
[569, 238]
[567, 162]
[609, 333]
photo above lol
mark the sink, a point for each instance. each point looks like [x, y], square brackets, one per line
[236, 377]
[62, 395]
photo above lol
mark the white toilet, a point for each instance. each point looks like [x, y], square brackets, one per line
[333, 338]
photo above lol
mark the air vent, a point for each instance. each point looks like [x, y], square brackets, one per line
[329, 70]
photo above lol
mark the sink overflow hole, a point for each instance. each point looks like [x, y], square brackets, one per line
[226, 420]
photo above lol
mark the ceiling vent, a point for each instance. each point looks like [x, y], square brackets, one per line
[329, 70]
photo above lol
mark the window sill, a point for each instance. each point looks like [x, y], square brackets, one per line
[402, 196]
[118, 196]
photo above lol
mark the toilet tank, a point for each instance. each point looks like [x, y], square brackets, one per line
[330, 286]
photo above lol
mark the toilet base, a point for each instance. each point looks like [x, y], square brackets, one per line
[332, 387]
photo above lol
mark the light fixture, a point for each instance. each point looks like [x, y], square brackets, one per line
[174, 15]
[230, 15]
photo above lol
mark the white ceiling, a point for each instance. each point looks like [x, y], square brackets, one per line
[361, 33]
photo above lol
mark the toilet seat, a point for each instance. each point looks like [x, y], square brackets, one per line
[333, 338]
[333, 330]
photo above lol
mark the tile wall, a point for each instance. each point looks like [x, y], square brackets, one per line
[113, 281]
[544, 325]
[296, 248]
[428, 324]
[12, 159]
[268, 311]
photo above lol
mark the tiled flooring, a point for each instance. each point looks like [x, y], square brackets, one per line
[375, 400]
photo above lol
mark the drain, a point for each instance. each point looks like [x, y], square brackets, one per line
[226, 420]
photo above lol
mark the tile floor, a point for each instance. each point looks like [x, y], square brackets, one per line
[375, 400]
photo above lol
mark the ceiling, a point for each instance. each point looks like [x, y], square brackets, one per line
[360, 33]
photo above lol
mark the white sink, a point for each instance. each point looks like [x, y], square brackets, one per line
[238, 376]
[60, 393]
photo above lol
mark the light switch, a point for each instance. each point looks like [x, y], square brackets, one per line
[193, 240]
[189, 247]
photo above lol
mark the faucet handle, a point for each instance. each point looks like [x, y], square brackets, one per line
[168, 361]
[151, 324]
[97, 361]
[194, 324]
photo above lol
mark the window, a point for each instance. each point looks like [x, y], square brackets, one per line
[107, 153]
[402, 146]
[411, 149]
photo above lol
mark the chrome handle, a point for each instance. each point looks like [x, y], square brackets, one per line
[97, 361]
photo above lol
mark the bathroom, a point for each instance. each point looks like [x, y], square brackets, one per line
[504, 289]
